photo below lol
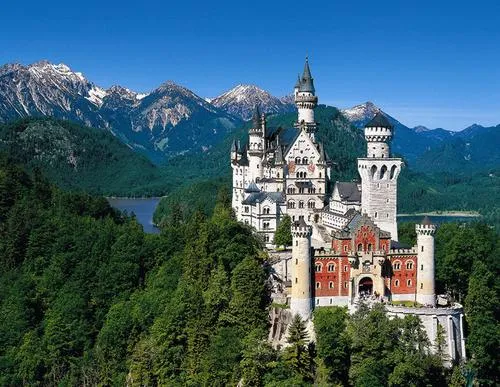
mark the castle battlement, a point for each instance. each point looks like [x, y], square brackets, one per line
[411, 251]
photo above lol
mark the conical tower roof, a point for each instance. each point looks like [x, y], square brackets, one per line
[306, 83]
[426, 221]
[256, 118]
[379, 121]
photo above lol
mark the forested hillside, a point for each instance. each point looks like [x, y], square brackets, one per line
[86, 298]
[80, 158]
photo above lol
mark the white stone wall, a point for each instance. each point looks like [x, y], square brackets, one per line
[425, 271]
[306, 115]
[379, 191]
[451, 319]
[301, 300]
[331, 301]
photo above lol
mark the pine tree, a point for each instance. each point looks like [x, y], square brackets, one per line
[482, 311]
[283, 235]
[299, 355]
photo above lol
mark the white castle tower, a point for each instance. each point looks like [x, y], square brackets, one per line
[379, 176]
[301, 300]
[426, 293]
[256, 145]
[306, 101]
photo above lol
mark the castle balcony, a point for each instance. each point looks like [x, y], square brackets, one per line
[306, 98]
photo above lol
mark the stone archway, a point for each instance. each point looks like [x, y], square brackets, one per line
[365, 286]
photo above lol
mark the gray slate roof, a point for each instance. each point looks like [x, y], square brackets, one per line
[379, 121]
[348, 191]
[252, 187]
[306, 83]
[259, 197]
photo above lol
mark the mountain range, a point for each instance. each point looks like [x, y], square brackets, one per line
[171, 120]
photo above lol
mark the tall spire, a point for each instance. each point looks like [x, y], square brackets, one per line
[256, 119]
[297, 85]
[307, 71]
[307, 84]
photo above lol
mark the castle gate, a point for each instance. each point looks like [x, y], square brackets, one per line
[365, 286]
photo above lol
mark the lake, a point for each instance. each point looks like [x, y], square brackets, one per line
[142, 208]
[145, 208]
[438, 219]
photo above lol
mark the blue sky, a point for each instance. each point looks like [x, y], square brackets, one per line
[435, 63]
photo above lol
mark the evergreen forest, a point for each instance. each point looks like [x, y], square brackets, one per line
[87, 298]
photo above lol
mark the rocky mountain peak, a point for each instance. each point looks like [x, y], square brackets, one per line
[240, 101]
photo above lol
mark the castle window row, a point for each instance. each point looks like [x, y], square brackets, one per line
[396, 265]
[303, 160]
[318, 267]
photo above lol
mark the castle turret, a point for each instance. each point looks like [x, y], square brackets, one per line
[234, 151]
[256, 145]
[301, 299]
[425, 271]
[379, 176]
[306, 101]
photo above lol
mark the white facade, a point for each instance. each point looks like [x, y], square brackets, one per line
[271, 179]
[426, 294]
[379, 176]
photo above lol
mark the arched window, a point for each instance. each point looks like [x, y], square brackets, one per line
[346, 268]
[291, 204]
[301, 204]
[396, 265]
[267, 210]
[331, 267]
[311, 204]
[330, 284]
[304, 160]
[318, 285]
[360, 247]
[373, 170]
[393, 172]
[320, 175]
[409, 265]
[297, 160]
[383, 172]
[396, 283]
[369, 247]
[408, 282]
[318, 267]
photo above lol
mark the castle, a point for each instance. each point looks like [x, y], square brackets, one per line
[345, 242]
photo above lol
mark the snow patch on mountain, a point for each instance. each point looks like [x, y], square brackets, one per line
[240, 101]
[360, 114]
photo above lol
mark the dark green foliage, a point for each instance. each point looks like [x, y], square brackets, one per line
[87, 298]
[299, 356]
[283, 235]
[391, 352]
[457, 248]
[81, 158]
[333, 343]
[483, 313]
